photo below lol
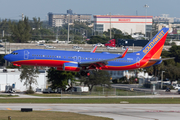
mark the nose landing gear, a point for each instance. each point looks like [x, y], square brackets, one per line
[84, 73]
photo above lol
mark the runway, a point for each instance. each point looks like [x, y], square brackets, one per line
[115, 111]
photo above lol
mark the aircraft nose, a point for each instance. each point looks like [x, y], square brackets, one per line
[7, 57]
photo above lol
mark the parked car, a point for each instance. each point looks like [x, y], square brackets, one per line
[177, 87]
[111, 48]
[49, 46]
[124, 48]
[1, 45]
[99, 45]
[77, 47]
[168, 90]
[41, 45]
[178, 91]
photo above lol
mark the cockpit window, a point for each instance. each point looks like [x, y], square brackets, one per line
[14, 53]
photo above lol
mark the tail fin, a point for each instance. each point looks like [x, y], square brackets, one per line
[155, 46]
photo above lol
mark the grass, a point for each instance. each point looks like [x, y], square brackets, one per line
[93, 100]
[9, 95]
[46, 115]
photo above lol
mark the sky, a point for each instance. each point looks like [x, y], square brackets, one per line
[13, 9]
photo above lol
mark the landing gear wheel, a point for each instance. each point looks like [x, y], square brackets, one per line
[82, 73]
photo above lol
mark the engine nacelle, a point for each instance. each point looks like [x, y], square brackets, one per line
[71, 67]
[59, 68]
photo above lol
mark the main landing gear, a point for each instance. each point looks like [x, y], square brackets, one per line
[84, 73]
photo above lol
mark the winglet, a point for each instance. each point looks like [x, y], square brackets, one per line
[124, 53]
[94, 49]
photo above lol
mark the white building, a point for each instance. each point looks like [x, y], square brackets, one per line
[57, 20]
[164, 18]
[127, 24]
[128, 74]
[12, 76]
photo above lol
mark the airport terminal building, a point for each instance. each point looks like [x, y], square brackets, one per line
[127, 24]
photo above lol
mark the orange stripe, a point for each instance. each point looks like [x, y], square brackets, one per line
[8, 108]
[158, 53]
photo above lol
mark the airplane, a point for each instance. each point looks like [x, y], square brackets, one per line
[83, 62]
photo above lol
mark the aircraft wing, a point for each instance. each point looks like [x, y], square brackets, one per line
[161, 59]
[102, 62]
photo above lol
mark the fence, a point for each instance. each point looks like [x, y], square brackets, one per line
[105, 93]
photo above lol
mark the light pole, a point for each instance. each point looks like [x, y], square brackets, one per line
[146, 6]
[110, 25]
[68, 29]
[162, 79]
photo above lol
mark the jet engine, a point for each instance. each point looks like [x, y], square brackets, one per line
[71, 67]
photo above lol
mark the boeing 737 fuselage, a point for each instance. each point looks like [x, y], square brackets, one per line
[85, 61]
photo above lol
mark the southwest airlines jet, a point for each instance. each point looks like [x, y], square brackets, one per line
[83, 62]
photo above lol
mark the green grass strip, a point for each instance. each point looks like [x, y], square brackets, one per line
[93, 100]
[9, 96]
[46, 115]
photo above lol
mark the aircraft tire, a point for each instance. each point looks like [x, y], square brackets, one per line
[82, 73]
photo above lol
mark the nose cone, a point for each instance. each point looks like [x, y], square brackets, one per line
[7, 57]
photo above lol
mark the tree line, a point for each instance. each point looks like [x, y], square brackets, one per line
[31, 30]
[170, 68]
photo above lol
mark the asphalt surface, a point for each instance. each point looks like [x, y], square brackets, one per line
[137, 88]
[115, 111]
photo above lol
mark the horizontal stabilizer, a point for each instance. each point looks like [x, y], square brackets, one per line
[161, 59]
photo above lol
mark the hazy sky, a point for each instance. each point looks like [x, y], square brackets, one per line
[12, 9]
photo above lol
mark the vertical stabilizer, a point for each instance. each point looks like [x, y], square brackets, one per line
[155, 46]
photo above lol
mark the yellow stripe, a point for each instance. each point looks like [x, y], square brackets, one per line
[46, 109]
[8, 108]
